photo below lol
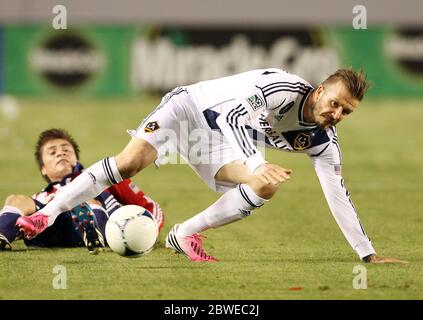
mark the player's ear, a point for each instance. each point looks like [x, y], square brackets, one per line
[43, 171]
[320, 89]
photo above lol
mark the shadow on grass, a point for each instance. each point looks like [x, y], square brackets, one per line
[295, 260]
[173, 267]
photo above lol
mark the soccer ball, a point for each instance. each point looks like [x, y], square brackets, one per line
[131, 231]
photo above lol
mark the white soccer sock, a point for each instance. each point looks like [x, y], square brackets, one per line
[234, 205]
[11, 209]
[87, 185]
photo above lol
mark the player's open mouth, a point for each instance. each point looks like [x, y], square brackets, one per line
[62, 161]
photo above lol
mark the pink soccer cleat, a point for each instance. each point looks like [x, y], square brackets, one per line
[189, 246]
[156, 211]
[32, 225]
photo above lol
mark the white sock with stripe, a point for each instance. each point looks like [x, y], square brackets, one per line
[234, 205]
[87, 185]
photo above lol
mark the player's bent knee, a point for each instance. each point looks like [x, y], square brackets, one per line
[14, 200]
[22, 202]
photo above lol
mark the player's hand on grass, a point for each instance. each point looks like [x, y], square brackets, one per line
[381, 260]
[272, 173]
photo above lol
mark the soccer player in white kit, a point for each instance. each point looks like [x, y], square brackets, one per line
[268, 106]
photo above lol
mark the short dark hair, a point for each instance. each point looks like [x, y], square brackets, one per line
[52, 134]
[355, 81]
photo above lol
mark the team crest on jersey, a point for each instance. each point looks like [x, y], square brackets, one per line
[302, 141]
[151, 127]
[255, 102]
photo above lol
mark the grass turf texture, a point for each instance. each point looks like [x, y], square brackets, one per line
[293, 242]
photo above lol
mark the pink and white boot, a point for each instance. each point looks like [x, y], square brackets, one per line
[189, 246]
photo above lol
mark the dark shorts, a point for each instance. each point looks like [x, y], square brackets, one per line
[63, 233]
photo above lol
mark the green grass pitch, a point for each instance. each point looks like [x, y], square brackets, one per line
[292, 242]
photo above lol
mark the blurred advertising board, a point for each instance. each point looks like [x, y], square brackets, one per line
[166, 58]
[1, 60]
[121, 60]
[43, 61]
[392, 58]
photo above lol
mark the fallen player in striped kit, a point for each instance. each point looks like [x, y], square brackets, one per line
[57, 155]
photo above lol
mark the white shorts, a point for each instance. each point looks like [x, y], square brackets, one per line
[177, 126]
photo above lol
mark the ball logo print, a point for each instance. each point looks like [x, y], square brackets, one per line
[131, 231]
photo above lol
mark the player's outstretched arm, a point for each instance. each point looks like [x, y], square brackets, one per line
[328, 170]
[375, 259]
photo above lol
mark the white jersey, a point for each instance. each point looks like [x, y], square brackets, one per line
[261, 104]
[268, 104]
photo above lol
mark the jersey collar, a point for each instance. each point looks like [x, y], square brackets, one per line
[301, 120]
[75, 172]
